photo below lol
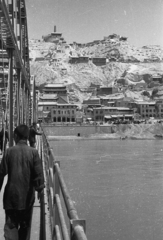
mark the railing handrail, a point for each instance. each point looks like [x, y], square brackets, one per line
[55, 186]
[42, 235]
[71, 210]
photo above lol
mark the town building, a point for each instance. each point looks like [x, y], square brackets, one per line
[89, 90]
[88, 106]
[54, 105]
[57, 88]
[63, 113]
[44, 109]
[125, 102]
[146, 109]
[92, 102]
[159, 108]
[107, 113]
[48, 98]
[111, 98]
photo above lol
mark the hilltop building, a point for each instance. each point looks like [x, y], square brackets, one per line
[102, 90]
[81, 59]
[54, 37]
[157, 78]
[99, 61]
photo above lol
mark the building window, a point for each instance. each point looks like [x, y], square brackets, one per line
[58, 112]
[54, 112]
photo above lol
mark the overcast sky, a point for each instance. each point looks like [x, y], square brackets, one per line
[87, 20]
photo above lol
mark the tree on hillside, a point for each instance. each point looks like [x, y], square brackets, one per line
[154, 92]
[124, 74]
[146, 93]
[157, 110]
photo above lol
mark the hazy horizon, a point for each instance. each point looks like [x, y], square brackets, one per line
[87, 20]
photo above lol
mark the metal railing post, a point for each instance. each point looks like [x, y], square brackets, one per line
[42, 198]
[79, 226]
[56, 190]
[55, 187]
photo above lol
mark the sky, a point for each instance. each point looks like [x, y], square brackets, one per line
[82, 21]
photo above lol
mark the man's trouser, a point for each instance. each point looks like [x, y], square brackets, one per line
[18, 224]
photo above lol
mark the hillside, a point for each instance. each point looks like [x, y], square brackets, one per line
[50, 64]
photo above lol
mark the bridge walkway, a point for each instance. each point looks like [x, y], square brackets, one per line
[49, 219]
[35, 225]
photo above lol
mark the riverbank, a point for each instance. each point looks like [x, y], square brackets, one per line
[121, 131]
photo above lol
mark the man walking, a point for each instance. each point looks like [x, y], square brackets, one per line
[25, 175]
[4, 138]
[32, 135]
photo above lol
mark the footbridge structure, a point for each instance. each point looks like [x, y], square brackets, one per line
[18, 106]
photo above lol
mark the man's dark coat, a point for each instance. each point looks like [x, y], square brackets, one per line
[25, 175]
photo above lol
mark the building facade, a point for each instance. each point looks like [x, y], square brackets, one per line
[147, 109]
[57, 88]
[63, 113]
[102, 113]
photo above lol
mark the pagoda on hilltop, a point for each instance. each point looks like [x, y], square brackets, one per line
[54, 37]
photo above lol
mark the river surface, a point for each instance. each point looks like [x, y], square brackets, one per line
[117, 186]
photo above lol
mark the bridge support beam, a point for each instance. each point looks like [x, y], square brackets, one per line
[10, 97]
[18, 97]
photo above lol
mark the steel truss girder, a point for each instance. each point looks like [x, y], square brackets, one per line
[10, 40]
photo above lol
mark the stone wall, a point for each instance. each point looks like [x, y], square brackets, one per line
[82, 131]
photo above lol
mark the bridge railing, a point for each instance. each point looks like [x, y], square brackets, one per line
[56, 191]
[42, 234]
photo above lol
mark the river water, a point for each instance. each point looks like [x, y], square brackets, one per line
[117, 186]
